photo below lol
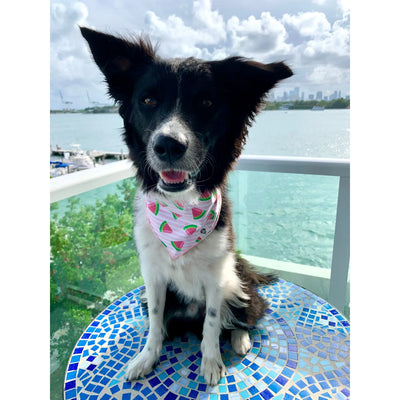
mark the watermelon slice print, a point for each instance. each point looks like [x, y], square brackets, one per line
[211, 215]
[165, 228]
[205, 196]
[154, 207]
[197, 212]
[177, 245]
[179, 205]
[198, 239]
[176, 215]
[190, 229]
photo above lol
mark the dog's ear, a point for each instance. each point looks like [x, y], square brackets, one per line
[248, 81]
[120, 60]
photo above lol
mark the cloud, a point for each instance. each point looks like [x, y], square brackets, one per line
[309, 24]
[64, 19]
[70, 60]
[261, 37]
[210, 37]
[325, 44]
[329, 75]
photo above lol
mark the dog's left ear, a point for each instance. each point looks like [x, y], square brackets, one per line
[248, 81]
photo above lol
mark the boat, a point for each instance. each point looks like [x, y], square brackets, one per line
[74, 160]
[318, 108]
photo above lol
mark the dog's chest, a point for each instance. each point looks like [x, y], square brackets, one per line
[191, 272]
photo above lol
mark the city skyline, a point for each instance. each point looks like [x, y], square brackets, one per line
[297, 94]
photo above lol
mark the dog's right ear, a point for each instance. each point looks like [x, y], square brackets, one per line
[120, 60]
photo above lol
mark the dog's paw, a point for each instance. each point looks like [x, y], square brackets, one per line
[141, 365]
[240, 340]
[212, 369]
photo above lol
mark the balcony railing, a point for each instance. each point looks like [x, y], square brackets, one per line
[70, 185]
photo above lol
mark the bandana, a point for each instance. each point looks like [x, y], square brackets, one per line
[181, 226]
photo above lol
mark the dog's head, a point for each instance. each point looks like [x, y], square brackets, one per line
[185, 119]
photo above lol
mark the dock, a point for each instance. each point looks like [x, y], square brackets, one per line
[96, 155]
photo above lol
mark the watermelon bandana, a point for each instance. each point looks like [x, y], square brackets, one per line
[181, 226]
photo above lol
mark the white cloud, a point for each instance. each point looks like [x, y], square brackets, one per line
[330, 76]
[258, 37]
[64, 19]
[71, 69]
[344, 5]
[183, 40]
[210, 37]
[310, 24]
[212, 21]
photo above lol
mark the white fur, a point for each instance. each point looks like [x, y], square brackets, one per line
[206, 273]
[240, 341]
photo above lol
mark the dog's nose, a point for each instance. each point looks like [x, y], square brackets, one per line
[168, 148]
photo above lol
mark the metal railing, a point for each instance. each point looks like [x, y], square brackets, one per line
[70, 185]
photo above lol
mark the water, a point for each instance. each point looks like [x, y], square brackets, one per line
[287, 217]
[289, 133]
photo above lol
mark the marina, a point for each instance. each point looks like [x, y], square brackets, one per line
[66, 161]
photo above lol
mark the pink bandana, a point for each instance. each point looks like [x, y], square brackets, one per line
[181, 226]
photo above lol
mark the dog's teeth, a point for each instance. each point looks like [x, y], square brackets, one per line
[173, 177]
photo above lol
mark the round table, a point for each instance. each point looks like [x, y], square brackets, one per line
[300, 350]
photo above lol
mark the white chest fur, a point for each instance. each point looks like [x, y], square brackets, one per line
[208, 263]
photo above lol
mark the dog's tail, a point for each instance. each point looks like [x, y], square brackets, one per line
[248, 273]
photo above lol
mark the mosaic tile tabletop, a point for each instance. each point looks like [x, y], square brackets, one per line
[300, 350]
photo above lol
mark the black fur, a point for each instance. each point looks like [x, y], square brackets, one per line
[218, 101]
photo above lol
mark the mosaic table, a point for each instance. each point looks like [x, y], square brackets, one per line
[300, 350]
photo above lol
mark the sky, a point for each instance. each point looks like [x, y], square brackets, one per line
[312, 36]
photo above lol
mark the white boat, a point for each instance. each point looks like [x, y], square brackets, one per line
[79, 159]
[74, 160]
[318, 108]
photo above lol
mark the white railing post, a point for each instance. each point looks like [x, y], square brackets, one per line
[341, 247]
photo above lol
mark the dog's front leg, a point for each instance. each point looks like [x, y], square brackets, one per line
[144, 362]
[212, 367]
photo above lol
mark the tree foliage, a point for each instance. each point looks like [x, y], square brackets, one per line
[93, 262]
[309, 104]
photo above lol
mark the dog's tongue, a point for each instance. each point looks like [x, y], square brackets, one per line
[173, 176]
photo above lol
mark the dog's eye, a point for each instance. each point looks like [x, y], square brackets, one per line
[206, 103]
[149, 101]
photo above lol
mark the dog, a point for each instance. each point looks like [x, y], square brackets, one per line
[185, 124]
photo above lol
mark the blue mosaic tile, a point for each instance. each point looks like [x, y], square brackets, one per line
[300, 350]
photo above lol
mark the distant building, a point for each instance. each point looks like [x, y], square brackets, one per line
[310, 97]
[319, 95]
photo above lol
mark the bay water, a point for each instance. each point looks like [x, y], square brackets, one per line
[287, 217]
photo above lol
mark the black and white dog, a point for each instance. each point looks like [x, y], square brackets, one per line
[185, 125]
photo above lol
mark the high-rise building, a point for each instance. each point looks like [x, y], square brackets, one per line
[319, 95]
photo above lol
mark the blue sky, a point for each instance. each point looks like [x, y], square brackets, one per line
[312, 36]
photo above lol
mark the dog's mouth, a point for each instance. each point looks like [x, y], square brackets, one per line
[175, 181]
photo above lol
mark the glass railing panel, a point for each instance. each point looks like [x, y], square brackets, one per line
[93, 262]
[286, 217]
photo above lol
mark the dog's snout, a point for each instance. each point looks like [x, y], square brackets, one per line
[169, 149]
